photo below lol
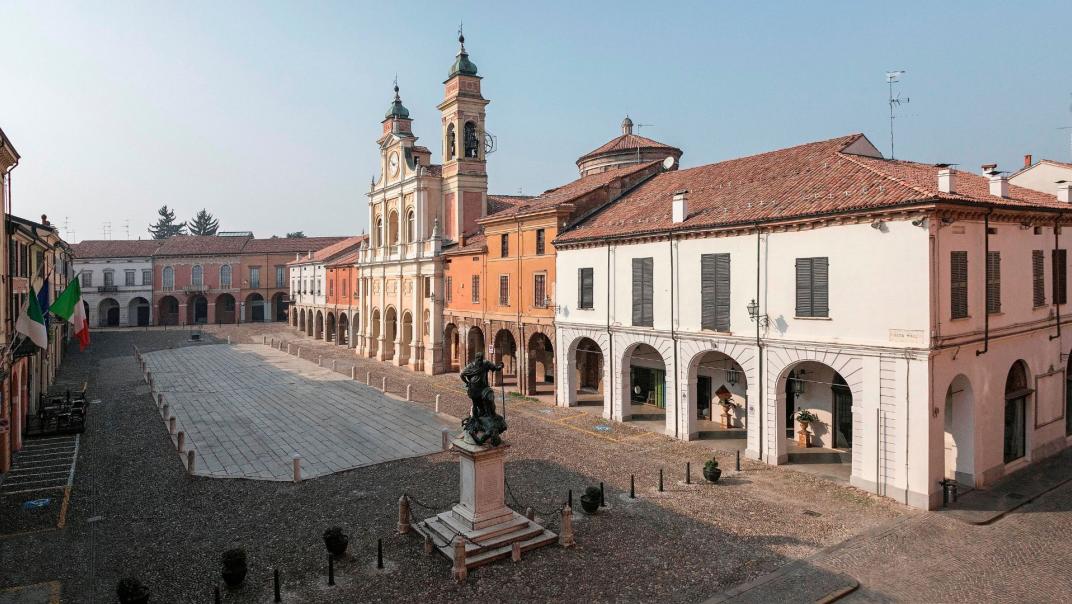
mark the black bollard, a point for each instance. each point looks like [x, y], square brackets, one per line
[602, 501]
[632, 486]
[331, 570]
[660, 480]
[278, 597]
[217, 596]
[379, 554]
[738, 460]
[569, 498]
[688, 472]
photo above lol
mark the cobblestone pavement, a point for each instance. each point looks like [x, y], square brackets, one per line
[134, 512]
[247, 409]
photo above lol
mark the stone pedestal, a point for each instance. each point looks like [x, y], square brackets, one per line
[489, 527]
[804, 439]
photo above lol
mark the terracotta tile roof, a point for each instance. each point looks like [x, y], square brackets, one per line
[626, 142]
[115, 248]
[500, 203]
[474, 242]
[347, 259]
[332, 251]
[283, 245]
[434, 169]
[807, 180]
[201, 245]
[570, 191]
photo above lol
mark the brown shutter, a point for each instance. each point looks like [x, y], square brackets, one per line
[958, 285]
[1038, 278]
[993, 282]
[820, 287]
[1060, 277]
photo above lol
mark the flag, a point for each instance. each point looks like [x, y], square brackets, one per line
[42, 301]
[70, 307]
[32, 322]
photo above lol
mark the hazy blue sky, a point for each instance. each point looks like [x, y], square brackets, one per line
[267, 113]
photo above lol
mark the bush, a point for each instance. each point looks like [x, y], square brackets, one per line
[592, 493]
[131, 590]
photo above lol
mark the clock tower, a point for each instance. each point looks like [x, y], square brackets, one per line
[465, 177]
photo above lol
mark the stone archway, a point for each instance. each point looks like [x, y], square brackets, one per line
[343, 331]
[717, 396]
[318, 327]
[255, 308]
[646, 390]
[390, 334]
[583, 370]
[329, 327]
[474, 339]
[108, 313]
[197, 310]
[452, 347]
[960, 431]
[225, 309]
[374, 334]
[301, 320]
[821, 390]
[505, 353]
[139, 312]
[540, 365]
[405, 347]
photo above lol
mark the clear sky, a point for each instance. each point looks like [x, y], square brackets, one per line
[267, 113]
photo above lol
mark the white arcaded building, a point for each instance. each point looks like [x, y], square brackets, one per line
[917, 311]
[117, 281]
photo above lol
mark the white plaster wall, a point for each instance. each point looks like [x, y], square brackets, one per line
[1042, 177]
[124, 293]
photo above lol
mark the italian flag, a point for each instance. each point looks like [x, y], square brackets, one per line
[70, 307]
[32, 322]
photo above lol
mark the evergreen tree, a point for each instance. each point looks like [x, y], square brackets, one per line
[165, 226]
[296, 235]
[203, 224]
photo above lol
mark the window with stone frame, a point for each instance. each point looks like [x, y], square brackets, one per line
[540, 242]
[197, 275]
[254, 277]
[147, 276]
[168, 278]
[539, 290]
[504, 290]
[225, 276]
[280, 276]
[109, 278]
[87, 279]
[130, 275]
[476, 289]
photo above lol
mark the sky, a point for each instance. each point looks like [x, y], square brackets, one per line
[267, 113]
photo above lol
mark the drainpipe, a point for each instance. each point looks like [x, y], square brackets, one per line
[986, 275]
[610, 340]
[673, 340]
[759, 352]
[1056, 300]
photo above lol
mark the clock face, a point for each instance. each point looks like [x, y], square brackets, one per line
[392, 163]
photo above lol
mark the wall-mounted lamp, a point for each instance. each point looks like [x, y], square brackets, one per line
[753, 314]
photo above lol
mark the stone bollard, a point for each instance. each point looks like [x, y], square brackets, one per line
[529, 514]
[437, 403]
[297, 467]
[171, 425]
[446, 438]
[515, 551]
[368, 378]
[403, 515]
[299, 352]
[264, 339]
[228, 339]
[319, 360]
[459, 572]
[190, 461]
[333, 366]
[180, 441]
[429, 545]
[353, 372]
[160, 399]
[409, 392]
[383, 387]
[288, 347]
[164, 410]
[565, 535]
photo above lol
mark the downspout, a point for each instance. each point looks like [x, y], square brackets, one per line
[673, 340]
[610, 339]
[1056, 300]
[759, 351]
[986, 284]
[521, 345]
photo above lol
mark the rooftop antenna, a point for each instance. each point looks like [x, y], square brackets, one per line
[106, 230]
[67, 227]
[894, 77]
[638, 126]
[126, 227]
[1069, 128]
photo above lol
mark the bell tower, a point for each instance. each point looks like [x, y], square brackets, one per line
[465, 176]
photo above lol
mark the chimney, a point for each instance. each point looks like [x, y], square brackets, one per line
[1027, 160]
[989, 168]
[680, 207]
[999, 185]
[1064, 191]
[947, 179]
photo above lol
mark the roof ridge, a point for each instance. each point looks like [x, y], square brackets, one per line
[873, 170]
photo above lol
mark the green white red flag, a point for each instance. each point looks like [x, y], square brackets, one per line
[31, 322]
[70, 307]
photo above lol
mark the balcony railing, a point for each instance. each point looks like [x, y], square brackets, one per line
[107, 288]
[196, 289]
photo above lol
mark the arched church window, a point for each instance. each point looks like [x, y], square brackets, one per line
[379, 232]
[471, 142]
[198, 275]
[452, 149]
[225, 276]
[411, 227]
[392, 228]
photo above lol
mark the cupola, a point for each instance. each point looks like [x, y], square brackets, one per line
[462, 65]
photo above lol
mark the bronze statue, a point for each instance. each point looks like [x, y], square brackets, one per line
[483, 425]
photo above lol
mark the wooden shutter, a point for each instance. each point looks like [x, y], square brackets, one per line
[958, 285]
[804, 307]
[643, 294]
[1060, 277]
[1038, 278]
[707, 292]
[715, 291]
[820, 287]
[993, 282]
[585, 297]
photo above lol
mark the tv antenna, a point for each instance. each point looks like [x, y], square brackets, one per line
[638, 126]
[894, 77]
[126, 227]
[106, 230]
[1069, 128]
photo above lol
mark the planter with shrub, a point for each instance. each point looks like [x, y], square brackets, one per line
[131, 591]
[234, 566]
[590, 500]
[711, 471]
[336, 541]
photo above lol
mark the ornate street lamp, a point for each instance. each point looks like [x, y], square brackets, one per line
[753, 314]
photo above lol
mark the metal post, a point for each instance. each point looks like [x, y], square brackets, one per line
[660, 480]
[278, 597]
[569, 498]
[353, 372]
[331, 570]
[632, 486]
[688, 472]
[190, 462]
[437, 403]
[738, 460]
[379, 554]
[602, 499]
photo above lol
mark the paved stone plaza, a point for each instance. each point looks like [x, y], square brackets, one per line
[247, 409]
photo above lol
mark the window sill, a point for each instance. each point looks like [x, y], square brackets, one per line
[813, 318]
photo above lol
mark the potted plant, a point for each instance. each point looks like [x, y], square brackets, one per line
[711, 471]
[131, 591]
[590, 500]
[805, 418]
[234, 566]
[336, 541]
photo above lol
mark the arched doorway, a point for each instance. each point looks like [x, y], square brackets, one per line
[301, 320]
[960, 432]
[718, 396]
[280, 305]
[329, 328]
[1017, 392]
[225, 309]
[474, 342]
[374, 333]
[645, 392]
[540, 368]
[318, 328]
[586, 380]
[390, 333]
[819, 389]
[452, 347]
[255, 308]
[505, 353]
[406, 342]
[343, 337]
[168, 311]
[138, 312]
[108, 313]
[197, 310]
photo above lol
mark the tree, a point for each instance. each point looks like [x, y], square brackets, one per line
[296, 235]
[203, 224]
[165, 226]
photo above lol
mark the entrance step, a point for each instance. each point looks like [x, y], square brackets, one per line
[732, 433]
[647, 417]
[487, 545]
[824, 456]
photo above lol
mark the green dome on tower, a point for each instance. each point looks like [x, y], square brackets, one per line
[397, 110]
[462, 64]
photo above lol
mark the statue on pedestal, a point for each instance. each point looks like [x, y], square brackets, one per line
[483, 425]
